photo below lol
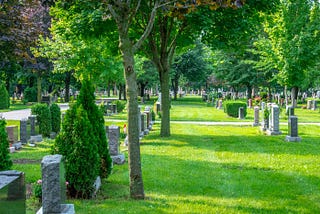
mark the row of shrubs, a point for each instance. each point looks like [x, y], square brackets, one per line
[48, 117]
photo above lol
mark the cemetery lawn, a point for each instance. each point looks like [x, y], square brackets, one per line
[208, 169]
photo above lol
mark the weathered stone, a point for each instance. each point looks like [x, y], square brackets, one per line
[314, 105]
[23, 131]
[256, 116]
[32, 119]
[309, 103]
[12, 132]
[36, 138]
[53, 186]
[274, 122]
[290, 111]
[12, 192]
[118, 159]
[113, 139]
[241, 113]
[293, 130]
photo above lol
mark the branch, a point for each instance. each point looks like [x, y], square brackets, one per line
[133, 14]
[148, 28]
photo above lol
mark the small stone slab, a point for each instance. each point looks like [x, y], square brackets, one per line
[17, 145]
[118, 159]
[293, 139]
[12, 149]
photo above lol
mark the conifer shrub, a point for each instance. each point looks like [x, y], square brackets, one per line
[55, 117]
[75, 143]
[86, 98]
[5, 161]
[43, 118]
[4, 97]
[232, 108]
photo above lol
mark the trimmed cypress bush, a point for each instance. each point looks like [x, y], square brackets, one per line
[75, 143]
[43, 117]
[5, 161]
[232, 108]
[55, 117]
[4, 97]
[86, 98]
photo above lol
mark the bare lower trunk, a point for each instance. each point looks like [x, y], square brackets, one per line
[294, 96]
[165, 103]
[135, 172]
[39, 88]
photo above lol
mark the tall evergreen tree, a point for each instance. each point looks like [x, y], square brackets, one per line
[5, 162]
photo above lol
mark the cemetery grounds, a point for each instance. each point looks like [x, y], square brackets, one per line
[205, 168]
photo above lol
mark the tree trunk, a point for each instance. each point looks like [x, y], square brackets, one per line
[175, 84]
[39, 88]
[120, 91]
[136, 182]
[294, 96]
[165, 102]
[249, 91]
[108, 90]
[124, 92]
[67, 87]
[142, 87]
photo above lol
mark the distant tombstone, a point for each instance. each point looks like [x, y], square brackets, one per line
[263, 105]
[309, 103]
[217, 104]
[54, 186]
[23, 131]
[139, 123]
[274, 122]
[12, 132]
[113, 140]
[32, 119]
[256, 116]
[314, 105]
[250, 103]
[220, 104]
[241, 113]
[293, 130]
[114, 108]
[12, 192]
[290, 111]
[158, 107]
[46, 99]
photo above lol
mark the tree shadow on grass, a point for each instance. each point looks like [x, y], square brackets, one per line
[279, 190]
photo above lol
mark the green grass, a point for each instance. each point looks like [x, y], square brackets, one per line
[15, 106]
[207, 169]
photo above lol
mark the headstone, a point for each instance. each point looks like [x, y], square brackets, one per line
[113, 140]
[293, 130]
[309, 102]
[145, 125]
[241, 113]
[250, 103]
[274, 122]
[46, 99]
[114, 108]
[23, 131]
[290, 111]
[158, 107]
[314, 105]
[263, 105]
[220, 104]
[217, 104]
[256, 116]
[12, 132]
[141, 131]
[53, 186]
[32, 119]
[12, 192]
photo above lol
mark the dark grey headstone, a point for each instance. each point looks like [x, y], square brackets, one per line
[32, 119]
[256, 116]
[241, 113]
[23, 131]
[113, 139]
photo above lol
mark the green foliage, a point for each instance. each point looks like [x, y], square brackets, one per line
[86, 98]
[5, 99]
[264, 96]
[76, 143]
[43, 117]
[232, 108]
[55, 117]
[5, 162]
[266, 113]
[121, 104]
[30, 94]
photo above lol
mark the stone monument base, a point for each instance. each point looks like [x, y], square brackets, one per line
[118, 159]
[269, 132]
[293, 139]
[256, 124]
[65, 209]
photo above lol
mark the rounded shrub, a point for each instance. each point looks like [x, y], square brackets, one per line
[43, 117]
[75, 143]
[232, 108]
[5, 99]
[55, 117]
[5, 162]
